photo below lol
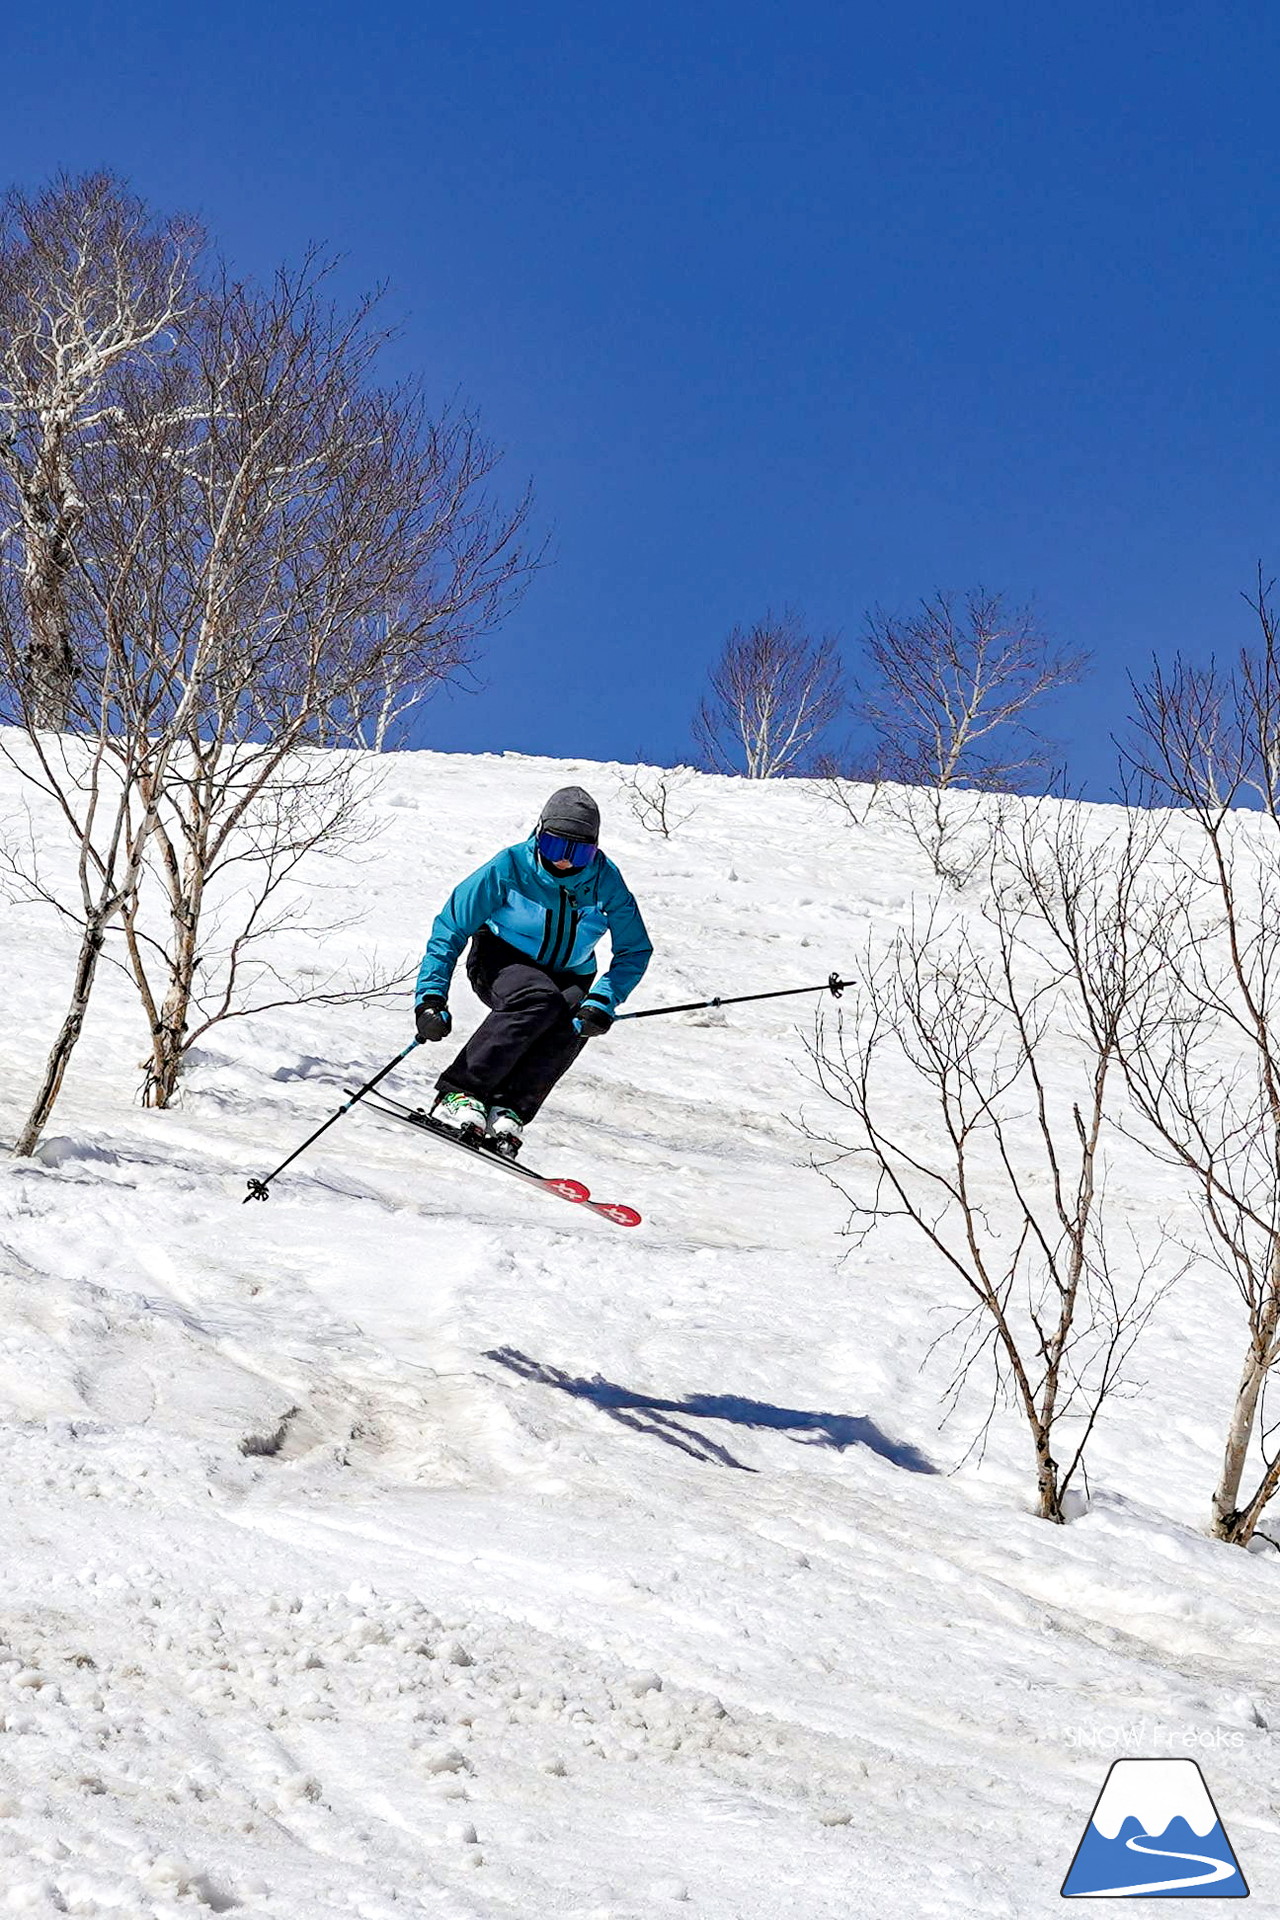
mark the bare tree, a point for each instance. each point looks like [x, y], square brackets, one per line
[850, 782]
[102, 780]
[473, 566]
[950, 688]
[90, 283]
[773, 692]
[947, 693]
[264, 545]
[1007, 1185]
[320, 538]
[1203, 1061]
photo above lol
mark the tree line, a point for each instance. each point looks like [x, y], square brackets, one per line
[1078, 978]
[945, 697]
[1099, 976]
[1145, 956]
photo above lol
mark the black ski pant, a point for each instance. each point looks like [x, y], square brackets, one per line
[515, 1057]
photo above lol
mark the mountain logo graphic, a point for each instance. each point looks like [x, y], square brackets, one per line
[1154, 1831]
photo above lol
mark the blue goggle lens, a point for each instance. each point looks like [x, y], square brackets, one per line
[554, 846]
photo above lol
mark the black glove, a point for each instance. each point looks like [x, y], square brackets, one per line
[594, 1018]
[432, 1017]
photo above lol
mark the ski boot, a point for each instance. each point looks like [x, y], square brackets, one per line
[506, 1132]
[463, 1114]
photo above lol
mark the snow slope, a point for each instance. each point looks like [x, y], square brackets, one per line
[414, 1544]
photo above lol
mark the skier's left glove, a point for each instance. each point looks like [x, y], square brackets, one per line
[594, 1018]
[432, 1018]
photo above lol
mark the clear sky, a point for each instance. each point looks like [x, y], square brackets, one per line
[819, 304]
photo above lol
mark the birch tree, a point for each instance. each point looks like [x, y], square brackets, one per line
[773, 693]
[323, 541]
[1203, 1062]
[257, 546]
[90, 284]
[948, 693]
[93, 291]
[105, 775]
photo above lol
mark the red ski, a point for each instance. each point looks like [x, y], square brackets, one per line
[573, 1190]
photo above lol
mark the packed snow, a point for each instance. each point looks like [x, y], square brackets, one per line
[416, 1543]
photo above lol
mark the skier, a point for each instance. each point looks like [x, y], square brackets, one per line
[534, 915]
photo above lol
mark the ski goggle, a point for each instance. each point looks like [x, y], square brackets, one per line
[579, 853]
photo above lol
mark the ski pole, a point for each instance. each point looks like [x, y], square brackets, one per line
[833, 984]
[258, 1189]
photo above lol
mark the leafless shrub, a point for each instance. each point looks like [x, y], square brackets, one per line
[773, 693]
[653, 796]
[957, 831]
[849, 784]
[948, 1036]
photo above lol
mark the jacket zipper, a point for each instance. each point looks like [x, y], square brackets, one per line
[551, 945]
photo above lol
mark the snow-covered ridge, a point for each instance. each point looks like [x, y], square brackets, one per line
[412, 1545]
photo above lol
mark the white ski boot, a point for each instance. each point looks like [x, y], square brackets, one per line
[506, 1131]
[463, 1114]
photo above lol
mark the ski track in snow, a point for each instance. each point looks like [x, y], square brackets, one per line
[414, 1545]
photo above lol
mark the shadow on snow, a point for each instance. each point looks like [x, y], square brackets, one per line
[647, 1414]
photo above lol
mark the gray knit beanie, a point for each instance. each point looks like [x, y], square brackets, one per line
[573, 813]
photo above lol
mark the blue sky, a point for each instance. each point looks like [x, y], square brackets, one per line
[821, 304]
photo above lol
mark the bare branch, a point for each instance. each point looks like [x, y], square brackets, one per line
[652, 795]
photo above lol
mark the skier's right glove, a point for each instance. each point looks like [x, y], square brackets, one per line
[432, 1018]
[593, 1019]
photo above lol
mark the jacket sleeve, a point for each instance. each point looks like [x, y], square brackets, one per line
[632, 947]
[471, 903]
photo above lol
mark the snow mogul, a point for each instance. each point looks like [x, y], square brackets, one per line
[534, 915]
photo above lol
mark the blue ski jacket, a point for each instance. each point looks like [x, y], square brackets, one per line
[557, 919]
